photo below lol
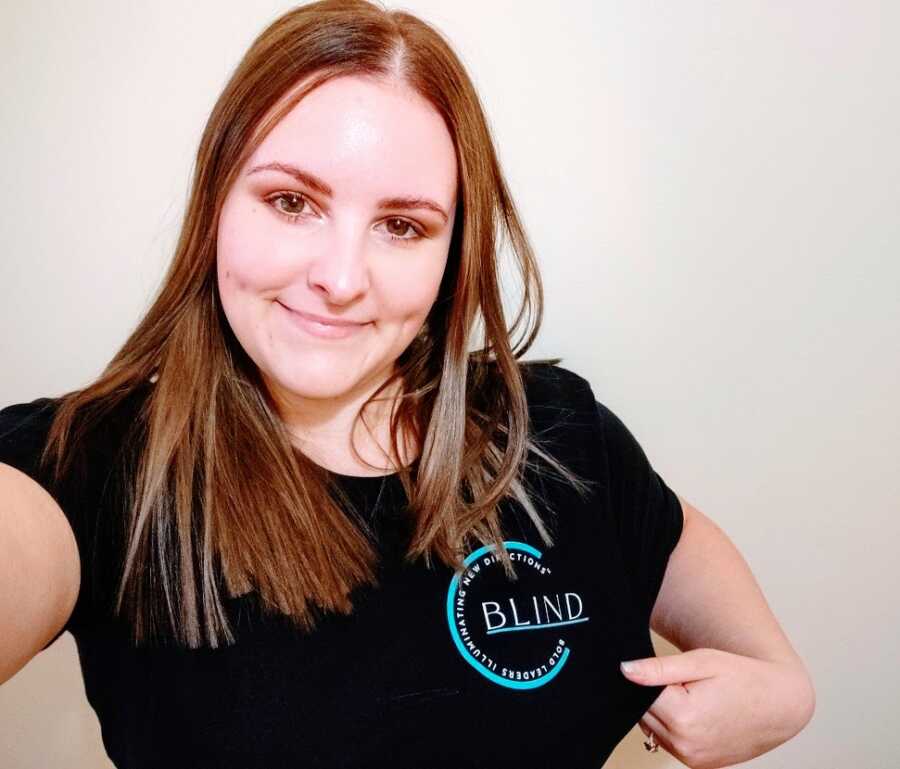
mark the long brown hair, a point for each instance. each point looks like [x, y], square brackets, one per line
[217, 486]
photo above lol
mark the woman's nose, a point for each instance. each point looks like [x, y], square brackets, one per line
[340, 271]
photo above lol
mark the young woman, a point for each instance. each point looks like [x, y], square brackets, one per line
[299, 521]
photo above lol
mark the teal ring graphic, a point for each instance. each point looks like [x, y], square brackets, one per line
[457, 640]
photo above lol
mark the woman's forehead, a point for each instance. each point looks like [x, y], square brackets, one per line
[354, 129]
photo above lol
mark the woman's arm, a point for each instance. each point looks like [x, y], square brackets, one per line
[40, 571]
[710, 599]
[737, 689]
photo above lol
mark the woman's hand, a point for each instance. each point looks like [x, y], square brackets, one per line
[720, 708]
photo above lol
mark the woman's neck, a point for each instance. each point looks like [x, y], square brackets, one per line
[324, 431]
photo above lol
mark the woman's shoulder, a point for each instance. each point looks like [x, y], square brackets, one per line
[27, 417]
[23, 432]
[546, 379]
[25, 427]
[558, 394]
[562, 413]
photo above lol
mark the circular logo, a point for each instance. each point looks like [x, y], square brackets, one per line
[509, 631]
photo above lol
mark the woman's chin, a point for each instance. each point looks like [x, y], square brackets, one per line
[312, 383]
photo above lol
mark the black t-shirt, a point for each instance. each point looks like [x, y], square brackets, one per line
[432, 669]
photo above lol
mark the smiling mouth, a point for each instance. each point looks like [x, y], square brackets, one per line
[322, 320]
[324, 328]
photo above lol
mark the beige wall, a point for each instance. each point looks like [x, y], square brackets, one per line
[712, 190]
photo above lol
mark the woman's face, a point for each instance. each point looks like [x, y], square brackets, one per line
[344, 211]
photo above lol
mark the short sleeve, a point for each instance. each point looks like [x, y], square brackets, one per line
[23, 432]
[647, 513]
[637, 508]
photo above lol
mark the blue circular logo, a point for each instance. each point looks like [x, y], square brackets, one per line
[509, 631]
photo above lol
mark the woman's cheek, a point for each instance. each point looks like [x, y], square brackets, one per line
[253, 260]
[410, 287]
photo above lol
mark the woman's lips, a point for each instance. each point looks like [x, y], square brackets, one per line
[323, 328]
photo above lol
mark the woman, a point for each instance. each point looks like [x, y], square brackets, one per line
[297, 521]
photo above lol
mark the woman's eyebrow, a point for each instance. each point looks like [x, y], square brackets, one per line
[304, 177]
[409, 203]
[314, 182]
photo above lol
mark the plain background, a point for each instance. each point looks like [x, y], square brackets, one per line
[712, 191]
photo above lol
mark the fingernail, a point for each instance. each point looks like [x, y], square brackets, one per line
[629, 667]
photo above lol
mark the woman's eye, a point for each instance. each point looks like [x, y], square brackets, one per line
[290, 206]
[408, 232]
[294, 204]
